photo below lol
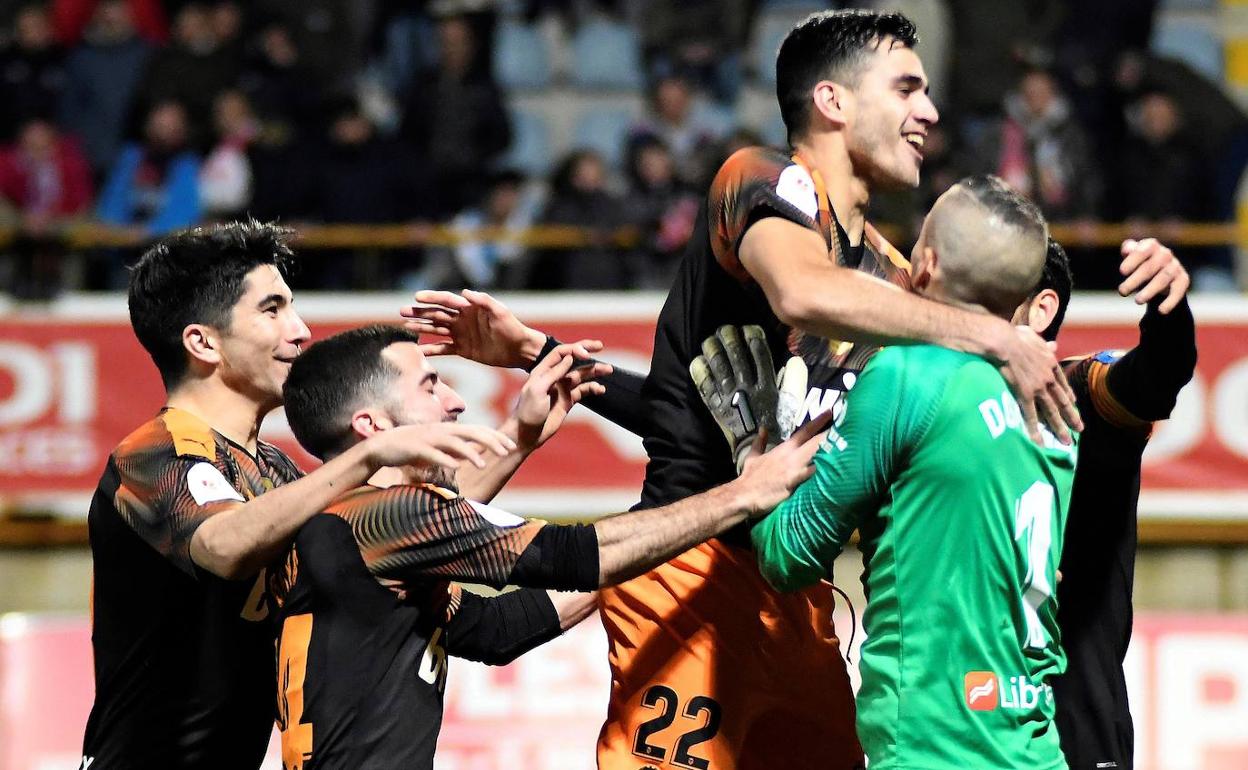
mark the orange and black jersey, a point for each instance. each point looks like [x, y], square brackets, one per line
[368, 617]
[1120, 395]
[183, 659]
[712, 288]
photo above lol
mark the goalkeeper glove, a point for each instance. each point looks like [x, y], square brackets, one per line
[734, 378]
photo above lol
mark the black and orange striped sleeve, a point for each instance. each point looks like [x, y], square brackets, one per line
[412, 532]
[755, 183]
[171, 481]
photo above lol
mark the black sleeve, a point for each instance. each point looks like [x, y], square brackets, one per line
[1148, 378]
[497, 630]
[622, 403]
[563, 557]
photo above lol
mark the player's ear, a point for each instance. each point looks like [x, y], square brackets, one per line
[925, 271]
[369, 421]
[830, 100]
[1043, 310]
[202, 343]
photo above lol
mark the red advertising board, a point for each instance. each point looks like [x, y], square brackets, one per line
[73, 381]
[1187, 676]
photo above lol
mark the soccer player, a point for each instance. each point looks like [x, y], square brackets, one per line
[191, 506]
[782, 243]
[961, 516]
[1122, 394]
[362, 668]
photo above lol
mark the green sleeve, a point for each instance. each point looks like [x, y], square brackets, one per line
[884, 417]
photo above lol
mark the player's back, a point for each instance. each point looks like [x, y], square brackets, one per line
[183, 659]
[961, 561]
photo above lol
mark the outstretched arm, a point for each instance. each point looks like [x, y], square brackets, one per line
[1146, 380]
[480, 328]
[499, 629]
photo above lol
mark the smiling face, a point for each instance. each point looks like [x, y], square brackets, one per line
[265, 335]
[888, 113]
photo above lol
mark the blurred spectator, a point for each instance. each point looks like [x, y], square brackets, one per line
[32, 72]
[322, 31]
[285, 93]
[103, 75]
[154, 184]
[226, 19]
[699, 38]
[45, 182]
[1041, 151]
[579, 197]
[455, 120]
[72, 19]
[225, 179]
[363, 178]
[482, 264]
[992, 43]
[1164, 180]
[193, 69]
[673, 119]
[661, 206]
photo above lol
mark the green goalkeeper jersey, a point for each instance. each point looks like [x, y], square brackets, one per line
[961, 517]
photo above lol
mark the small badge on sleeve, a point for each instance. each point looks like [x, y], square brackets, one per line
[208, 485]
[496, 516]
[796, 186]
[1109, 356]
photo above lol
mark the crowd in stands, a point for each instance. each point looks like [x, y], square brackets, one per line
[152, 116]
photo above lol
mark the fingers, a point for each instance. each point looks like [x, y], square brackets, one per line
[485, 301]
[1031, 420]
[584, 374]
[1178, 290]
[734, 346]
[717, 362]
[1046, 407]
[437, 348]
[1066, 400]
[587, 389]
[756, 341]
[430, 315]
[422, 327]
[813, 430]
[1142, 264]
[492, 440]
[704, 379]
[445, 298]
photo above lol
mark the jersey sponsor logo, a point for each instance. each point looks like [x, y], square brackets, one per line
[796, 186]
[1109, 357]
[981, 690]
[985, 691]
[496, 516]
[208, 485]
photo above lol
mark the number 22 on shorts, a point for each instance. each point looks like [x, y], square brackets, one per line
[665, 700]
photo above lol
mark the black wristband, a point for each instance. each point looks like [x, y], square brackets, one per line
[551, 344]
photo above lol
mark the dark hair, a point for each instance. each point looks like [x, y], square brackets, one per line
[830, 45]
[333, 378]
[1057, 276]
[196, 277]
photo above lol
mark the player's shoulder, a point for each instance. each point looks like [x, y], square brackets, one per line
[756, 161]
[172, 433]
[752, 168]
[372, 499]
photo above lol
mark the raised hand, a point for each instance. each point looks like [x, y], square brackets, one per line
[1034, 375]
[1152, 271]
[556, 384]
[478, 327]
[735, 378]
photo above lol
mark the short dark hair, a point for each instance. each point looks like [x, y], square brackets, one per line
[1060, 278]
[830, 45]
[333, 378]
[196, 276]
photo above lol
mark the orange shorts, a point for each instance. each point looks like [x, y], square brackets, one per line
[711, 669]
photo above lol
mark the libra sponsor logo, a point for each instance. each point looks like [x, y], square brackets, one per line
[985, 691]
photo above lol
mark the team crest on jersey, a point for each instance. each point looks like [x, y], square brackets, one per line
[208, 485]
[796, 186]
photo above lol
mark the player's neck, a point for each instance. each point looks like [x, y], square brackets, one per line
[848, 194]
[228, 412]
[392, 476]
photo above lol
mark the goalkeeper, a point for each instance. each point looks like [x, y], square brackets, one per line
[961, 515]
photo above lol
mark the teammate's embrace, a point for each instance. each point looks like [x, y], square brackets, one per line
[362, 667]
[961, 516]
[191, 505]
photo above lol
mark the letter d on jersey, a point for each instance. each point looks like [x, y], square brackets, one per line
[980, 688]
